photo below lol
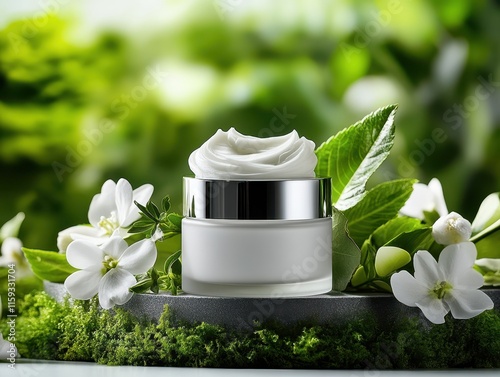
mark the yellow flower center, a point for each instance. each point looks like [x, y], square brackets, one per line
[109, 224]
[440, 289]
[109, 263]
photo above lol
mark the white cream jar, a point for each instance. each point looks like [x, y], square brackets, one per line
[248, 235]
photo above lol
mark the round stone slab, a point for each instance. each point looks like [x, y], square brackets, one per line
[244, 313]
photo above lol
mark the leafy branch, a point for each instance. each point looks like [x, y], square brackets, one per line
[153, 219]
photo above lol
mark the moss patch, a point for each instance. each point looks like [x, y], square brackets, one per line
[46, 329]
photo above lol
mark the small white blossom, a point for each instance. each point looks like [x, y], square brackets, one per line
[108, 269]
[451, 229]
[11, 227]
[426, 198]
[451, 284]
[12, 253]
[111, 210]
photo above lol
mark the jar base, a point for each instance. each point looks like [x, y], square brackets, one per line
[299, 289]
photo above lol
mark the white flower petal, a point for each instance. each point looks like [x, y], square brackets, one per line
[114, 288]
[490, 264]
[427, 271]
[11, 227]
[421, 199]
[465, 304]
[83, 284]
[123, 197]
[83, 254]
[433, 309]
[85, 232]
[437, 192]
[11, 248]
[102, 204]
[457, 259]
[470, 279]
[141, 195]
[115, 247]
[407, 289]
[139, 257]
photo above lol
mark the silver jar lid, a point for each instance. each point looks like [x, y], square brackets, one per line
[287, 199]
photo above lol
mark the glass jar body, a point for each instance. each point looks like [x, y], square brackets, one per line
[256, 258]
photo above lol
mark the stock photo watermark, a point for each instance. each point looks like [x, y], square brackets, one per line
[121, 107]
[454, 117]
[372, 29]
[34, 24]
[224, 8]
[11, 316]
[296, 273]
[278, 123]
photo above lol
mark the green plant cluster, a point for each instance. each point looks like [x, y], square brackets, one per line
[47, 329]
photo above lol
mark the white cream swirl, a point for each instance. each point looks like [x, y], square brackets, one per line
[231, 155]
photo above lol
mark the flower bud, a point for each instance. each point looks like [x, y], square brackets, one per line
[451, 229]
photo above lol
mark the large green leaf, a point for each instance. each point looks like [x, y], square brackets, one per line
[49, 265]
[381, 204]
[352, 156]
[345, 253]
[394, 228]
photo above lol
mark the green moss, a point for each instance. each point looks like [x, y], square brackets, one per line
[80, 331]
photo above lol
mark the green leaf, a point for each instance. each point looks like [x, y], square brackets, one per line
[394, 228]
[404, 232]
[165, 204]
[171, 260]
[153, 210]
[176, 220]
[49, 265]
[389, 259]
[418, 239]
[141, 226]
[145, 211]
[359, 277]
[353, 155]
[11, 227]
[142, 286]
[345, 253]
[177, 267]
[380, 205]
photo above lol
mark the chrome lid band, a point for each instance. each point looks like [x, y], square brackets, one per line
[293, 199]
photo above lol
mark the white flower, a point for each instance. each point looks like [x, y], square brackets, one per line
[426, 198]
[113, 209]
[491, 268]
[451, 229]
[448, 285]
[12, 253]
[11, 227]
[108, 269]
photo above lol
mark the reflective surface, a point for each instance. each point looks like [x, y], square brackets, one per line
[257, 199]
[56, 369]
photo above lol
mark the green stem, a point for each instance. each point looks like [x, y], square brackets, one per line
[478, 237]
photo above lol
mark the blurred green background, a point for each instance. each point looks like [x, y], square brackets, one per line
[100, 90]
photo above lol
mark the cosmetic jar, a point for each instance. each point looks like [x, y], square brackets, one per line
[257, 238]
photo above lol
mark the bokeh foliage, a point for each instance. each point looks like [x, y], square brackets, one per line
[135, 104]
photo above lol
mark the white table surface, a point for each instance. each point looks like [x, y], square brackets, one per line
[73, 369]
